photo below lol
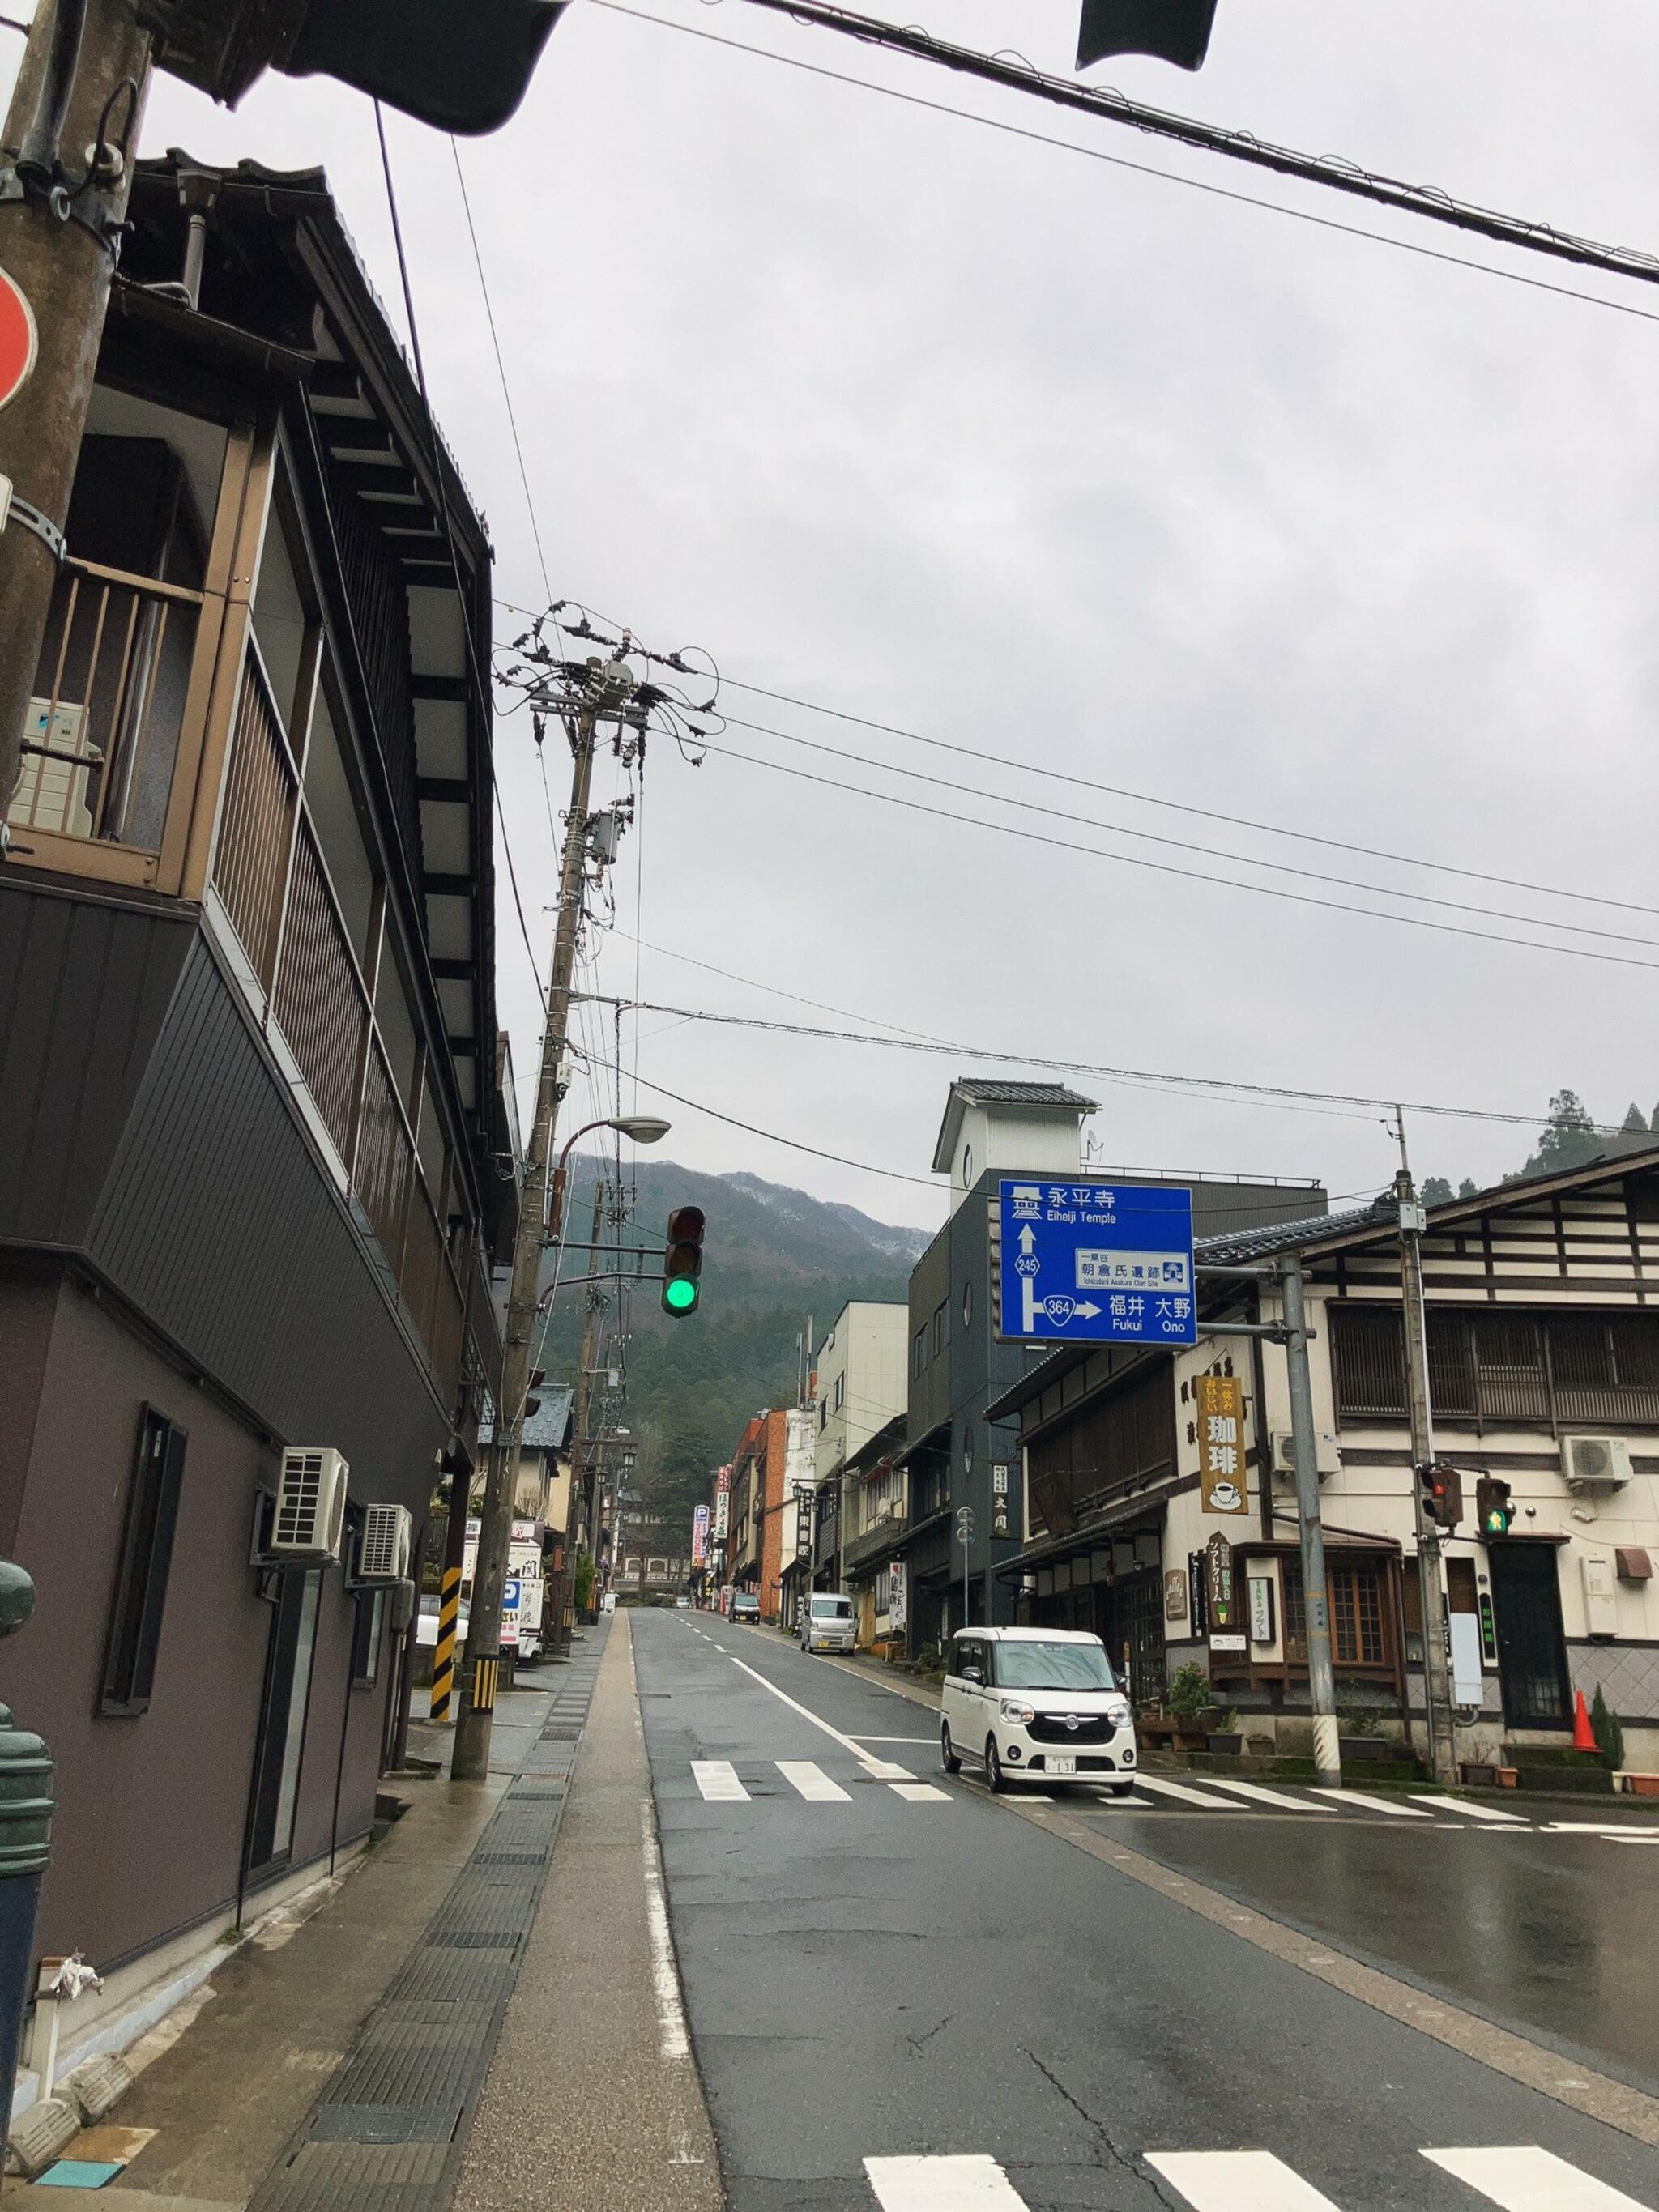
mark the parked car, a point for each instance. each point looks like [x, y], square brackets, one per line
[1038, 1704]
[827, 1623]
[426, 1624]
[745, 1606]
[682, 1605]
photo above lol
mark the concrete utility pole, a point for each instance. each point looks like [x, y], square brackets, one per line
[1304, 1442]
[583, 1472]
[1436, 1667]
[608, 687]
[75, 113]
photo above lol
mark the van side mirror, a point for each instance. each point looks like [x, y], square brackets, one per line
[974, 1674]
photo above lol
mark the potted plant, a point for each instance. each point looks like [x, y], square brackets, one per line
[1188, 1698]
[1360, 1735]
[1226, 1736]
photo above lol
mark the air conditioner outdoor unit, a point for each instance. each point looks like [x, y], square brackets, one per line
[1595, 1463]
[384, 1547]
[1283, 1457]
[309, 1521]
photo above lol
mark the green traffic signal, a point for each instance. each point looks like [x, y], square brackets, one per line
[681, 1261]
[680, 1296]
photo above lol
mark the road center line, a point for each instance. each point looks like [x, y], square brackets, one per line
[866, 1760]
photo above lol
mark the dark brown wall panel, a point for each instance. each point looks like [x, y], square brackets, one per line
[219, 1223]
[28, 1297]
[84, 989]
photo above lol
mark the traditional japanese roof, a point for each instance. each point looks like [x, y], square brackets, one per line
[547, 1429]
[991, 1091]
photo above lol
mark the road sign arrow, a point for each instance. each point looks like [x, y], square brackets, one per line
[1027, 1240]
[1086, 1310]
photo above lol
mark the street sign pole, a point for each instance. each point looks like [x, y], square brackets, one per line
[965, 1537]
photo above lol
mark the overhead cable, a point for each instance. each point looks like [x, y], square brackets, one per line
[1239, 144]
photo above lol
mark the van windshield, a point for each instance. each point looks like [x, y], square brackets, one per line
[1053, 1666]
[832, 1608]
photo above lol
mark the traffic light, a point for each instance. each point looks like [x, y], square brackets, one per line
[682, 1262]
[1492, 1506]
[1171, 30]
[460, 67]
[1442, 1494]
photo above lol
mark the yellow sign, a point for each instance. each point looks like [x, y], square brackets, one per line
[1224, 1483]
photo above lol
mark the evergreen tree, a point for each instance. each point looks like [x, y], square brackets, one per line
[1569, 1141]
[1633, 1125]
[1468, 1188]
[1609, 1736]
[1437, 1191]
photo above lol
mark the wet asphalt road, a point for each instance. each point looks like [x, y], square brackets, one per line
[872, 1975]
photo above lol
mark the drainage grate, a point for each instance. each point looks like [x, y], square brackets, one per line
[509, 1858]
[561, 1732]
[474, 1939]
[387, 2123]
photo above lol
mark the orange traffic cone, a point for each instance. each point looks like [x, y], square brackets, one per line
[1584, 1735]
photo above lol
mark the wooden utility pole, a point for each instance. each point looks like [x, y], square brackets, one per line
[75, 112]
[1436, 1638]
[583, 1474]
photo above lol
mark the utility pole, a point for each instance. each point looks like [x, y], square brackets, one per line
[1437, 1670]
[608, 687]
[583, 1473]
[1304, 1443]
[74, 114]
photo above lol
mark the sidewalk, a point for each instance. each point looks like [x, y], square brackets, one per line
[594, 2102]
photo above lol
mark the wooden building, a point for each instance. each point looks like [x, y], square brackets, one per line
[249, 1123]
[1542, 1300]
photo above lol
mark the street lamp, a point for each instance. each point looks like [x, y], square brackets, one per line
[643, 1128]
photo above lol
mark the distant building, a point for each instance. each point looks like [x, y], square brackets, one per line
[956, 1454]
[860, 1379]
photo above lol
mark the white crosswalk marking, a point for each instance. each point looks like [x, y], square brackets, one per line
[717, 1778]
[941, 2184]
[1371, 1804]
[1163, 1788]
[887, 1769]
[1238, 2181]
[1266, 1797]
[1471, 1811]
[920, 1793]
[811, 1782]
[1527, 2179]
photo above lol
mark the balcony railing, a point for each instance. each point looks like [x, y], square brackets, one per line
[271, 878]
[101, 740]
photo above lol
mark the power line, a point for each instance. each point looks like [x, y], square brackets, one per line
[1191, 875]
[1215, 1086]
[1233, 821]
[1112, 107]
[1183, 845]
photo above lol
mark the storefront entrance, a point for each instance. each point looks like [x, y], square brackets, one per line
[1532, 1651]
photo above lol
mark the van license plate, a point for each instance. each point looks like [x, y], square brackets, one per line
[1055, 1766]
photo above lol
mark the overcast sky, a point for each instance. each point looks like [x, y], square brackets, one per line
[1093, 472]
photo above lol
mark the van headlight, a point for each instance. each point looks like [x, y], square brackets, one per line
[1118, 1712]
[1022, 1716]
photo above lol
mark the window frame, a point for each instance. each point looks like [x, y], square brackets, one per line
[143, 1566]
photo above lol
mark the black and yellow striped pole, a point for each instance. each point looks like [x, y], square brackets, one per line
[443, 1659]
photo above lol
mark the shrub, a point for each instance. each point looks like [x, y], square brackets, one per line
[1609, 1736]
[1189, 1692]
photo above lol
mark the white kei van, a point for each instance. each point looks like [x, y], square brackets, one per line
[1038, 1704]
[827, 1623]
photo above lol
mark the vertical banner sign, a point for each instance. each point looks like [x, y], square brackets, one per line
[999, 1499]
[1222, 1479]
[722, 1502]
[1175, 1595]
[20, 341]
[700, 1536]
[804, 1505]
[1198, 1593]
[896, 1595]
[1262, 1630]
[1226, 1623]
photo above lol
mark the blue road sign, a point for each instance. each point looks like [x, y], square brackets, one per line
[510, 1595]
[1097, 1263]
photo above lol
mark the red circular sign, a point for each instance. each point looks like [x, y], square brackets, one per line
[19, 339]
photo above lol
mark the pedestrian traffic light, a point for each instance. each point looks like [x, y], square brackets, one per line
[1492, 1506]
[682, 1262]
[1442, 1494]
[458, 68]
[1171, 30]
